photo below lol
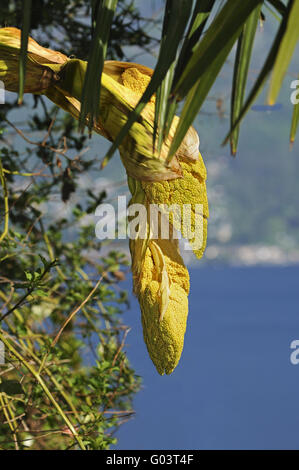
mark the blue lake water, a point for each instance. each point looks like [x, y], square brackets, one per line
[235, 387]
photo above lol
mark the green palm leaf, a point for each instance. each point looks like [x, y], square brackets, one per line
[206, 62]
[198, 21]
[178, 15]
[264, 73]
[278, 5]
[92, 87]
[285, 52]
[225, 28]
[243, 55]
[196, 97]
[24, 44]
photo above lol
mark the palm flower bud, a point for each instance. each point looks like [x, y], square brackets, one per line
[161, 284]
[160, 279]
[163, 297]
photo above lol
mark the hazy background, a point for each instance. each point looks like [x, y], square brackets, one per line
[234, 386]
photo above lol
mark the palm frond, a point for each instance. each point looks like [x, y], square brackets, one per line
[172, 35]
[92, 87]
[264, 73]
[24, 44]
[242, 61]
[206, 62]
[188, 62]
[285, 52]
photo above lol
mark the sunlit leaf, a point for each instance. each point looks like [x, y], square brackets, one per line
[286, 50]
[163, 92]
[162, 106]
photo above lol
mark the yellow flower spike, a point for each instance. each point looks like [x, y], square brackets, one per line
[161, 281]
[161, 284]
[163, 299]
[189, 189]
[140, 243]
[160, 278]
[164, 287]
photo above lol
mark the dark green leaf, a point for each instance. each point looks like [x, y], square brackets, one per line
[92, 81]
[161, 106]
[171, 38]
[243, 55]
[24, 44]
[196, 97]
[11, 387]
[266, 69]
[199, 19]
[225, 28]
[278, 5]
[285, 52]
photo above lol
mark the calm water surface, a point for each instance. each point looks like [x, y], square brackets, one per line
[235, 387]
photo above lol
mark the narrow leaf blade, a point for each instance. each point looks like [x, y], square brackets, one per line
[24, 44]
[243, 56]
[92, 82]
[278, 5]
[167, 55]
[260, 81]
[196, 97]
[199, 19]
[285, 53]
[227, 25]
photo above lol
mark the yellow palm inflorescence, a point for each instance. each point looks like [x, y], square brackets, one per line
[160, 278]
